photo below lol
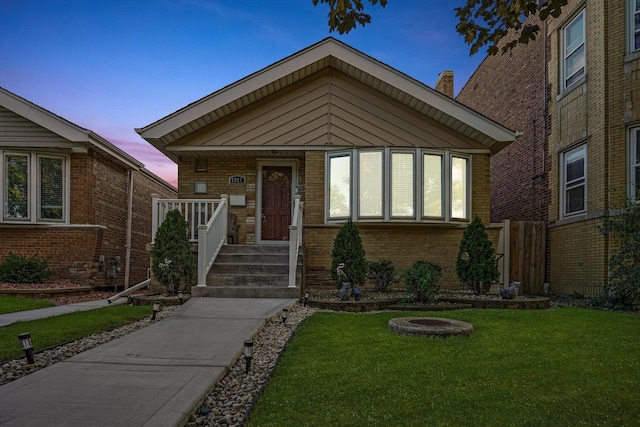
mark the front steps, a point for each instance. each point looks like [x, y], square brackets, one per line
[249, 271]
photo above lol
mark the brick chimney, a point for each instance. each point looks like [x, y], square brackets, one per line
[445, 83]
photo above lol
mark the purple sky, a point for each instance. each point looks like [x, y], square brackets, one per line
[112, 66]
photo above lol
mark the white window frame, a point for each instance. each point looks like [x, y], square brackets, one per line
[34, 188]
[446, 158]
[567, 51]
[634, 163]
[632, 11]
[382, 189]
[566, 186]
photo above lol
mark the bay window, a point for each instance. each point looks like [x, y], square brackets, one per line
[398, 185]
[33, 187]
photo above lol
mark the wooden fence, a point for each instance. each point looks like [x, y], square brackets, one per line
[526, 254]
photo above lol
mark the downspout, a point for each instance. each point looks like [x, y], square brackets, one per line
[127, 266]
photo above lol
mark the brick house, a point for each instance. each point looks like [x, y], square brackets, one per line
[73, 197]
[352, 138]
[576, 89]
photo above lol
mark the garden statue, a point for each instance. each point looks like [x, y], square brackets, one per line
[511, 291]
[345, 291]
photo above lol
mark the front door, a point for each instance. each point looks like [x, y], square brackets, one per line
[276, 202]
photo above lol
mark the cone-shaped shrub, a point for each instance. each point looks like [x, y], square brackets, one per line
[348, 249]
[476, 263]
[173, 262]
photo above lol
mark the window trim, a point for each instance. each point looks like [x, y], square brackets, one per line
[446, 157]
[633, 137]
[631, 27]
[564, 187]
[565, 55]
[34, 202]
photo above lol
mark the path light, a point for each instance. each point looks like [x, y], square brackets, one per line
[285, 314]
[180, 297]
[248, 354]
[27, 346]
[156, 309]
[306, 298]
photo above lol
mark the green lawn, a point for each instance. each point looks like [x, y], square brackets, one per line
[11, 304]
[52, 331]
[565, 367]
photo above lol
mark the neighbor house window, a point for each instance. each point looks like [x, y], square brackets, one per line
[403, 185]
[634, 167]
[634, 25]
[574, 183]
[574, 51]
[33, 187]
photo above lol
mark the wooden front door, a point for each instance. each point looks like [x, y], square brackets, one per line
[276, 202]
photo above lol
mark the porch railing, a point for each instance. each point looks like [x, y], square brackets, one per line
[295, 240]
[207, 225]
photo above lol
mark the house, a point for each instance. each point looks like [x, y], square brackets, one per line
[575, 92]
[348, 136]
[72, 197]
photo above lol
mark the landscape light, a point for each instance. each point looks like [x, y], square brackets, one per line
[306, 298]
[27, 346]
[180, 296]
[248, 354]
[285, 314]
[156, 309]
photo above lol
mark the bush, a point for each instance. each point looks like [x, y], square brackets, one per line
[382, 273]
[422, 279]
[21, 269]
[476, 263]
[623, 290]
[173, 262]
[348, 249]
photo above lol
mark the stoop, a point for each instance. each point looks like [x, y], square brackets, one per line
[249, 271]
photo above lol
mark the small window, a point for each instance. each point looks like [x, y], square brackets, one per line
[16, 188]
[634, 166]
[51, 188]
[575, 181]
[432, 185]
[339, 186]
[574, 51]
[459, 184]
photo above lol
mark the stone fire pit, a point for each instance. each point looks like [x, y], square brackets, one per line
[429, 326]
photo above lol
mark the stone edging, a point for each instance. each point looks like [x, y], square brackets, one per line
[45, 293]
[429, 326]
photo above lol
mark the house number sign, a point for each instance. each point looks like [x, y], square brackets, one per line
[236, 179]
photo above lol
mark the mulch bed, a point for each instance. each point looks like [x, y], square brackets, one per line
[62, 299]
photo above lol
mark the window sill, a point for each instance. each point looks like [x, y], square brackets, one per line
[630, 57]
[582, 81]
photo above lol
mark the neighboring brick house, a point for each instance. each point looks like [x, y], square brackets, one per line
[355, 139]
[580, 82]
[73, 197]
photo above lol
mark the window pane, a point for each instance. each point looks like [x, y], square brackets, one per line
[339, 186]
[432, 185]
[458, 187]
[575, 65]
[574, 34]
[575, 170]
[637, 181]
[370, 180]
[402, 185]
[16, 203]
[575, 199]
[51, 188]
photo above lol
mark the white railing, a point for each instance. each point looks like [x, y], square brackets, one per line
[295, 240]
[195, 211]
[211, 237]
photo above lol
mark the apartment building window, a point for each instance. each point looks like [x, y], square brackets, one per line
[33, 187]
[634, 25]
[574, 51]
[634, 167]
[403, 185]
[574, 180]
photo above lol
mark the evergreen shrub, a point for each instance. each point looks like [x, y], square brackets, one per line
[476, 262]
[173, 262]
[382, 273]
[348, 249]
[422, 279]
[21, 269]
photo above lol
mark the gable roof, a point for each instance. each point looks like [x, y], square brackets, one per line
[77, 137]
[328, 53]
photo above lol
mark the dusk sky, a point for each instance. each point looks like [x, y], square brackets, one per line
[112, 66]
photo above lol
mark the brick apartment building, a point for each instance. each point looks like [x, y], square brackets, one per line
[72, 197]
[575, 93]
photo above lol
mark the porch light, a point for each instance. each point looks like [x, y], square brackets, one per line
[248, 354]
[285, 314]
[180, 296]
[27, 346]
[156, 309]
[306, 298]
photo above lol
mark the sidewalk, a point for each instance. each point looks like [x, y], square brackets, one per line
[41, 313]
[155, 376]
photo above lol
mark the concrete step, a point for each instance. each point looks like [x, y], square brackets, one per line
[245, 292]
[245, 258]
[247, 280]
[253, 268]
[256, 249]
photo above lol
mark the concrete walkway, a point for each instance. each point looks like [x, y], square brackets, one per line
[155, 376]
[42, 313]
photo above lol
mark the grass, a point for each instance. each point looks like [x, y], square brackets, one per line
[57, 330]
[12, 304]
[565, 367]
